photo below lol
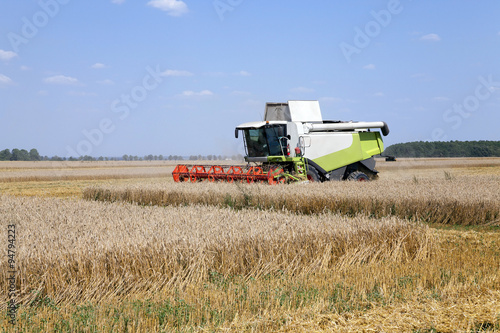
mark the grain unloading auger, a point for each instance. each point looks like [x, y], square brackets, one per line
[294, 143]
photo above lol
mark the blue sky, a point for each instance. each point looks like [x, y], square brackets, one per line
[115, 77]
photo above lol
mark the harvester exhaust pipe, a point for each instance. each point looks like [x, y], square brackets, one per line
[349, 126]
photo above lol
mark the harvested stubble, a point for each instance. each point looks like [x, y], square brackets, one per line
[460, 201]
[9, 166]
[84, 173]
[406, 164]
[79, 251]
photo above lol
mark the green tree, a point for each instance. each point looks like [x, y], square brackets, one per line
[445, 149]
[5, 155]
[15, 154]
[34, 156]
[24, 155]
[20, 155]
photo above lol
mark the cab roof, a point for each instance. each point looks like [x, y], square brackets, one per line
[259, 124]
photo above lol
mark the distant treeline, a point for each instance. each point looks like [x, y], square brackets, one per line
[445, 149]
[180, 158]
[20, 155]
[33, 155]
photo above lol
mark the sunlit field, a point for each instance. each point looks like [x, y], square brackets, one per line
[119, 247]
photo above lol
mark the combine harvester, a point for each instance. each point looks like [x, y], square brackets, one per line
[294, 143]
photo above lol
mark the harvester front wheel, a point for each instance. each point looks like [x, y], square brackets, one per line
[358, 176]
[313, 175]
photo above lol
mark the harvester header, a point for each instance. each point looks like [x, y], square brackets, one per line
[294, 143]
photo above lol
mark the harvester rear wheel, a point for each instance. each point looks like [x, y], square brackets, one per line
[358, 176]
[313, 175]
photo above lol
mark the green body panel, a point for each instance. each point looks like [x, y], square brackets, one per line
[371, 143]
[299, 167]
[279, 159]
[364, 145]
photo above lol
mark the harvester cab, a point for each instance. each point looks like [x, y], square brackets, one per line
[294, 143]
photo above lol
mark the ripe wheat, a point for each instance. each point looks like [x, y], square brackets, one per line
[463, 201]
[88, 251]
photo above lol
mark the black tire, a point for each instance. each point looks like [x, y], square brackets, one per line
[313, 175]
[358, 176]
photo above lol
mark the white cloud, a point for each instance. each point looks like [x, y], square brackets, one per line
[499, 33]
[25, 68]
[223, 74]
[98, 65]
[61, 79]
[369, 66]
[495, 89]
[190, 93]
[7, 55]
[431, 38]
[5, 80]
[106, 82]
[172, 7]
[378, 94]
[302, 90]
[119, 2]
[244, 73]
[173, 72]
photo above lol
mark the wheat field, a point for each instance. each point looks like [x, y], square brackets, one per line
[417, 252]
[464, 201]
